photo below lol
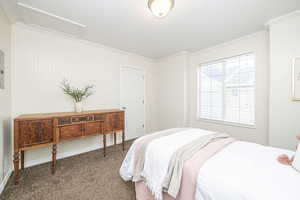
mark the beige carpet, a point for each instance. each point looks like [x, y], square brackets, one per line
[88, 176]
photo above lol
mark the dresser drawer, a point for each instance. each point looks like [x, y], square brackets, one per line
[93, 128]
[70, 132]
[83, 118]
[99, 117]
[64, 120]
[35, 132]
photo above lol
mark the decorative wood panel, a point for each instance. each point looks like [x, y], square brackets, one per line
[119, 125]
[70, 132]
[119, 121]
[35, 132]
[107, 122]
[114, 122]
[93, 128]
[120, 116]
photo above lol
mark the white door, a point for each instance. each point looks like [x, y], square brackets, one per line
[133, 101]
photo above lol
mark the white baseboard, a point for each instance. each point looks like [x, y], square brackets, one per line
[32, 163]
[45, 160]
[66, 154]
[5, 179]
[35, 162]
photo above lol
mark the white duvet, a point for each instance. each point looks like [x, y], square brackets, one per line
[160, 151]
[248, 171]
[241, 171]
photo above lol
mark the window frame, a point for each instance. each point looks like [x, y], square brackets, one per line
[224, 122]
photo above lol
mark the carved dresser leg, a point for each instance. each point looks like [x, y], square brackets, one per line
[16, 166]
[123, 140]
[22, 159]
[104, 145]
[54, 152]
[115, 139]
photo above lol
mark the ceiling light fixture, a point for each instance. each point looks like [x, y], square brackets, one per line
[160, 8]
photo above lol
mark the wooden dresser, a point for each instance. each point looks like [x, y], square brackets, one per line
[39, 130]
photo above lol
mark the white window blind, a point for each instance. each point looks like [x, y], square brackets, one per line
[227, 90]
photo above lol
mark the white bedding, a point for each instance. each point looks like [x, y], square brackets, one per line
[248, 171]
[161, 150]
[241, 171]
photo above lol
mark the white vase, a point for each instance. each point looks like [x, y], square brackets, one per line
[78, 107]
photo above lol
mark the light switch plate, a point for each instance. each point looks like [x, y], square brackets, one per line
[2, 71]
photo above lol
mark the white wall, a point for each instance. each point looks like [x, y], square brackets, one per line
[284, 122]
[5, 101]
[256, 43]
[42, 59]
[172, 91]
[178, 87]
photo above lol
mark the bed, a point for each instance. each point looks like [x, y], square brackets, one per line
[223, 169]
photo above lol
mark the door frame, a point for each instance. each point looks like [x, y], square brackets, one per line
[144, 93]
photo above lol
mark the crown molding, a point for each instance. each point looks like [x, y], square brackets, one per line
[34, 9]
[224, 44]
[71, 37]
[231, 42]
[281, 18]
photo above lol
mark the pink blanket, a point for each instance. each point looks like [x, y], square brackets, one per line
[190, 172]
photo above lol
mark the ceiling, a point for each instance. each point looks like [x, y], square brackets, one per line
[128, 25]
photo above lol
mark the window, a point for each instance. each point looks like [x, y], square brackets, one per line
[227, 90]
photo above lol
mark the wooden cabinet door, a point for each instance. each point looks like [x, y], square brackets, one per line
[114, 121]
[118, 123]
[93, 128]
[35, 132]
[107, 122]
[70, 132]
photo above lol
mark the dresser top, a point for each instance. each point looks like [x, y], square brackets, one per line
[64, 114]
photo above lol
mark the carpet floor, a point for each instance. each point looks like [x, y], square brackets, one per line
[88, 176]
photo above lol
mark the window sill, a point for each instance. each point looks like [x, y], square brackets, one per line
[227, 123]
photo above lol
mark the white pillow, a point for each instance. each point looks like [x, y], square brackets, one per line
[296, 162]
